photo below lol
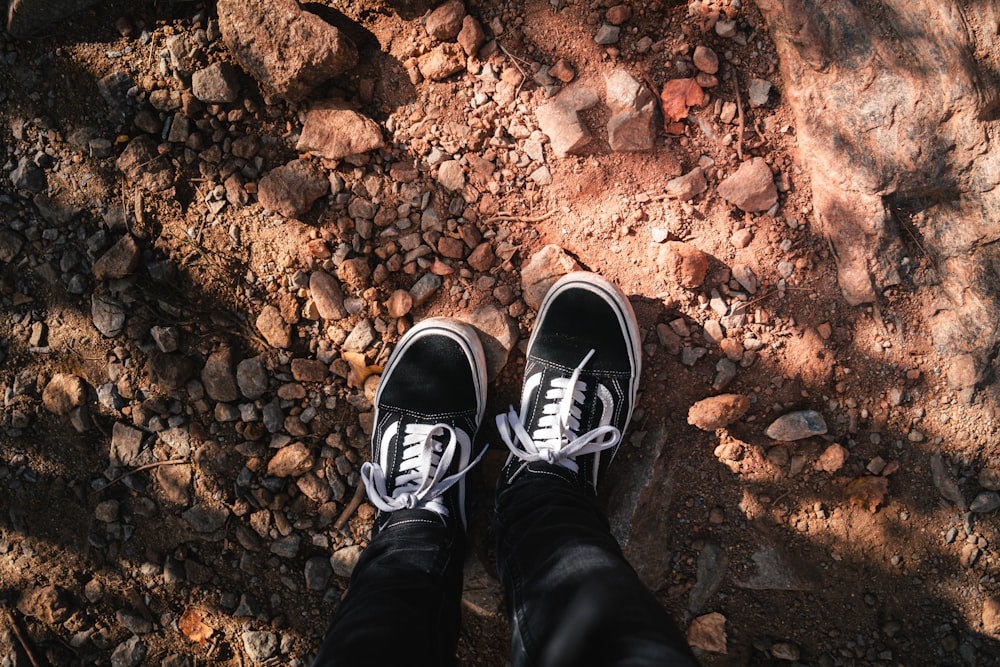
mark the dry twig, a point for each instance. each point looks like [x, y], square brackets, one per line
[22, 639]
[742, 119]
[155, 464]
[507, 217]
[352, 507]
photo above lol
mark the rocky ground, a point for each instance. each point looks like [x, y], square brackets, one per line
[213, 232]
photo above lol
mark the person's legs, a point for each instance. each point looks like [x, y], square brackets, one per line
[405, 594]
[573, 598]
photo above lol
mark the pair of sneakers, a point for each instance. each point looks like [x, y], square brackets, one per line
[580, 383]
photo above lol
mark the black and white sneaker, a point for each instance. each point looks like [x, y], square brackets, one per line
[580, 382]
[428, 407]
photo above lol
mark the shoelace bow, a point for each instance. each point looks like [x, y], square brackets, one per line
[421, 479]
[555, 440]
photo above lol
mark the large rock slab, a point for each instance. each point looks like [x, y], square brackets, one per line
[632, 126]
[286, 48]
[31, 17]
[883, 137]
[334, 130]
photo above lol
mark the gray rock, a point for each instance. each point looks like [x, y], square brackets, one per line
[760, 91]
[167, 339]
[360, 337]
[28, 176]
[129, 653]
[985, 502]
[725, 373]
[114, 89]
[217, 376]
[751, 187]
[251, 377]
[334, 130]
[691, 355]
[204, 519]
[327, 295]
[796, 426]
[745, 276]
[133, 622]
[607, 34]
[424, 288]
[259, 645]
[317, 573]
[218, 83]
[773, 573]
[286, 547]
[10, 245]
[343, 560]
[125, 445]
[712, 566]
[688, 185]
[119, 261]
[289, 50]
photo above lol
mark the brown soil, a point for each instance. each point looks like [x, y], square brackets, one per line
[859, 586]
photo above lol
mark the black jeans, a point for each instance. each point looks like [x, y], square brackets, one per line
[572, 597]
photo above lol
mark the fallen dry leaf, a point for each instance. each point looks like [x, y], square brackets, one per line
[868, 491]
[360, 370]
[192, 625]
[678, 96]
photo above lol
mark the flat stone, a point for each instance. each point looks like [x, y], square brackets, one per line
[632, 124]
[718, 412]
[796, 426]
[314, 488]
[334, 130]
[171, 371]
[125, 445]
[327, 295]
[361, 336]
[273, 328]
[745, 276]
[688, 185]
[176, 483]
[759, 92]
[119, 261]
[482, 258]
[28, 176]
[167, 339]
[286, 547]
[290, 461]
[559, 119]
[219, 83]
[424, 288]
[289, 50]
[63, 393]
[309, 370]
[607, 34]
[441, 62]
[142, 163]
[205, 519]
[683, 263]
[751, 188]
[445, 22]
[217, 375]
[259, 645]
[542, 271]
[451, 175]
[292, 189]
[130, 653]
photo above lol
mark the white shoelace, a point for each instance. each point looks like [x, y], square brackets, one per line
[421, 479]
[555, 440]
